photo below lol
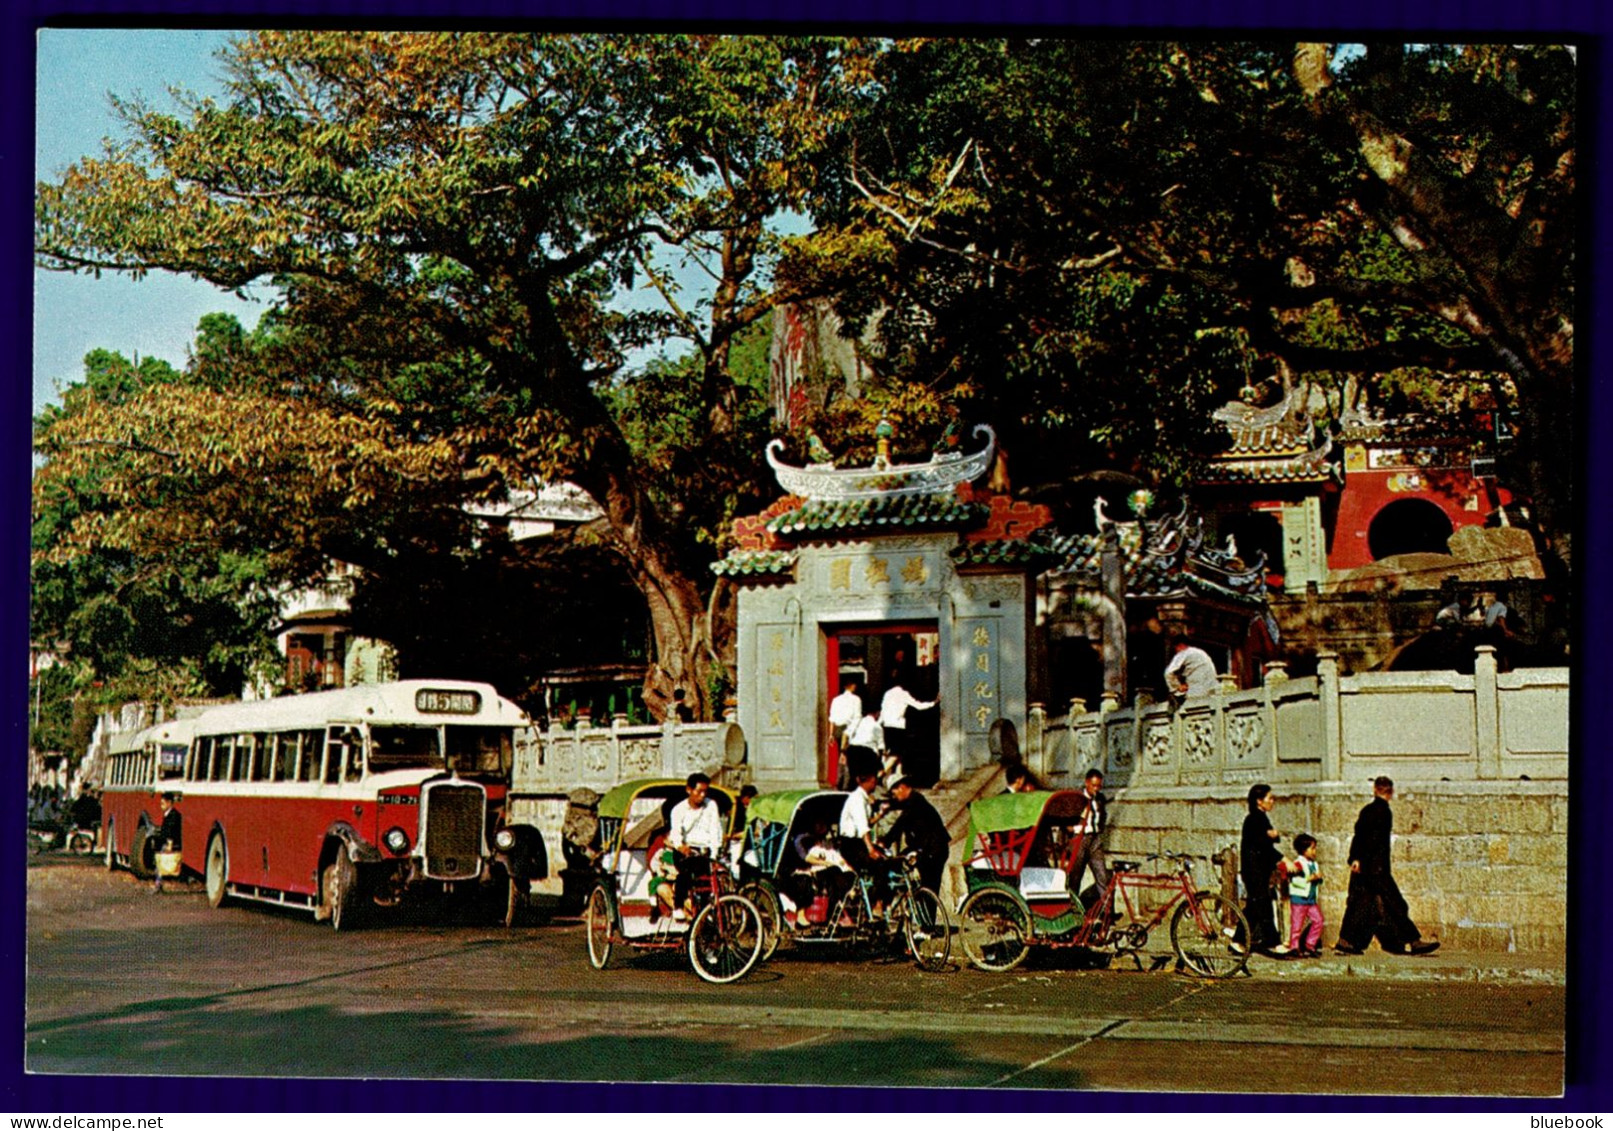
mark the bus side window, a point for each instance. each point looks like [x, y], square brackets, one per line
[261, 755]
[308, 759]
[220, 768]
[333, 755]
[285, 756]
[355, 754]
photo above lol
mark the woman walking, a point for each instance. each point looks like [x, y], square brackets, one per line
[1258, 859]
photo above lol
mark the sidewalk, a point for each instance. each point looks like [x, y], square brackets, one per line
[1442, 966]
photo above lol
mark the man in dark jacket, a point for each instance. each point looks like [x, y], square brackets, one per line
[1374, 905]
[1090, 827]
[919, 829]
[170, 836]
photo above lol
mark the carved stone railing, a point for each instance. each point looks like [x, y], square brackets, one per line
[561, 759]
[1413, 726]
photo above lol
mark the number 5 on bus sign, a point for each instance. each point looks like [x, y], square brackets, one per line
[447, 702]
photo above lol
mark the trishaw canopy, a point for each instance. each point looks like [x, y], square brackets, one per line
[1016, 811]
[779, 808]
[617, 803]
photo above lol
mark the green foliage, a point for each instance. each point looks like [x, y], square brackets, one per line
[1053, 227]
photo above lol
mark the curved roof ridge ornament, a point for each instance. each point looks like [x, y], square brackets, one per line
[942, 472]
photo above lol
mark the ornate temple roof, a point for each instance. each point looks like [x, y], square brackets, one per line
[1272, 444]
[888, 511]
[943, 472]
[1162, 557]
[755, 563]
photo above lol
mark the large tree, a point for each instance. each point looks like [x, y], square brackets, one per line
[1093, 243]
[449, 219]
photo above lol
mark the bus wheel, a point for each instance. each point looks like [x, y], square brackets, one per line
[111, 853]
[142, 853]
[338, 891]
[515, 898]
[218, 870]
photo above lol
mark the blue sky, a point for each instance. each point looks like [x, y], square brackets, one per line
[74, 314]
[155, 316]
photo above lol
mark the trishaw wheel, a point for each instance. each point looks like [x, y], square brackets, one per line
[601, 916]
[1210, 936]
[927, 928]
[995, 929]
[725, 940]
[771, 910]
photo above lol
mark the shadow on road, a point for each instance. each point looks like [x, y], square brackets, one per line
[318, 1041]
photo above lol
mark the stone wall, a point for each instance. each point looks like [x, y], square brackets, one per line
[1483, 865]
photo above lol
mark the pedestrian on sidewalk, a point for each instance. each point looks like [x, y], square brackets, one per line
[1258, 862]
[1374, 906]
[1304, 913]
[169, 837]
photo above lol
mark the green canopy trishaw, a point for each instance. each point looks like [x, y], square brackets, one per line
[821, 903]
[724, 938]
[1022, 851]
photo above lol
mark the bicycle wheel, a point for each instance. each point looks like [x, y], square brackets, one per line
[1209, 935]
[601, 916]
[725, 940]
[995, 929]
[761, 893]
[926, 926]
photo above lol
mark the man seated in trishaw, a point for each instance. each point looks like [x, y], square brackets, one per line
[655, 841]
[638, 840]
[790, 866]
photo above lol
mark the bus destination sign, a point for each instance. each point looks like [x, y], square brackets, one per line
[442, 702]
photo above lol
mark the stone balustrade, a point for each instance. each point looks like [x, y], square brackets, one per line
[1412, 726]
[561, 759]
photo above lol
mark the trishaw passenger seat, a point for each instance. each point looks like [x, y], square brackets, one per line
[1044, 883]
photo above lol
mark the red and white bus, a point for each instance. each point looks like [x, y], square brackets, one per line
[138, 767]
[341, 799]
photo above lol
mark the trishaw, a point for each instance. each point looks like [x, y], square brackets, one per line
[724, 938]
[914, 915]
[1021, 893]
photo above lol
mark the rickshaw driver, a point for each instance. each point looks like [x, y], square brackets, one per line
[1090, 827]
[857, 842]
[696, 835]
[920, 828]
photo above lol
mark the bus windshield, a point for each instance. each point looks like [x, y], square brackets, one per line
[480, 749]
[471, 749]
[405, 748]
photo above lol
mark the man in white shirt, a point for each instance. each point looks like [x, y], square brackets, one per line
[857, 842]
[845, 710]
[893, 718]
[865, 742]
[695, 833]
[1191, 672]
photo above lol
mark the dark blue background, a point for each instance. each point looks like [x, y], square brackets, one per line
[1580, 22]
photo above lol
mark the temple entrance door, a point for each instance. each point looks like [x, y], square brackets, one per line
[879, 656]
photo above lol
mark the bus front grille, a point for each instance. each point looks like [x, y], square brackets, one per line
[453, 831]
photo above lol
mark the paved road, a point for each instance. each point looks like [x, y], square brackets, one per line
[120, 981]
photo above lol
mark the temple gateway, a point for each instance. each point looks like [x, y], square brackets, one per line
[910, 574]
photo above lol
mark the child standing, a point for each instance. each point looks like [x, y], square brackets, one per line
[1305, 916]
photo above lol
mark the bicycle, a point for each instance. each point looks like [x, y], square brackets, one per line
[1008, 910]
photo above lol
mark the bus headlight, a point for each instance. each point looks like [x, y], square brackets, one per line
[504, 839]
[396, 841]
